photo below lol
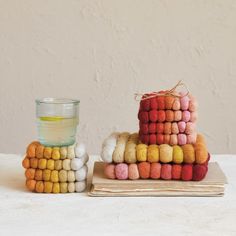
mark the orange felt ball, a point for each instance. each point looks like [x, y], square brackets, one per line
[29, 173]
[169, 100]
[39, 187]
[26, 163]
[176, 171]
[30, 184]
[169, 115]
[144, 170]
[155, 172]
[167, 128]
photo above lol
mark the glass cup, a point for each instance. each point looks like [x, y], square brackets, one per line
[57, 120]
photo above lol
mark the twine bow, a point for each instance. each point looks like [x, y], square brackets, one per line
[171, 92]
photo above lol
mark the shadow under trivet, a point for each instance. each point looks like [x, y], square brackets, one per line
[212, 185]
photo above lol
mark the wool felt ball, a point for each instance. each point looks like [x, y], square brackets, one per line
[46, 175]
[193, 116]
[39, 151]
[200, 139]
[153, 103]
[176, 104]
[66, 164]
[173, 139]
[143, 116]
[47, 152]
[201, 153]
[54, 176]
[31, 149]
[144, 138]
[71, 187]
[130, 149]
[141, 152]
[153, 115]
[190, 128]
[191, 138]
[160, 139]
[109, 171]
[62, 176]
[38, 174]
[30, 184]
[186, 115]
[187, 172]
[30, 173]
[169, 115]
[189, 153]
[50, 164]
[193, 104]
[160, 128]
[177, 115]
[169, 101]
[33, 162]
[77, 163]
[39, 187]
[56, 153]
[121, 171]
[181, 126]
[144, 128]
[133, 172]
[26, 163]
[71, 176]
[182, 139]
[166, 153]
[80, 148]
[174, 128]
[199, 172]
[153, 153]
[80, 186]
[152, 139]
[166, 138]
[56, 188]
[184, 103]
[176, 171]
[81, 174]
[161, 116]
[106, 154]
[71, 152]
[144, 170]
[161, 102]
[63, 187]
[58, 164]
[145, 104]
[48, 187]
[152, 128]
[155, 171]
[63, 152]
[167, 128]
[178, 155]
[42, 163]
[166, 171]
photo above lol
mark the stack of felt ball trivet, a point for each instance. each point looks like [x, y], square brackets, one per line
[167, 146]
[55, 169]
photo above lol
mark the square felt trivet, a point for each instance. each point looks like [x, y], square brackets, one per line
[212, 185]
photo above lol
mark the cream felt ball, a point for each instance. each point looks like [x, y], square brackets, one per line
[71, 187]
[71, 152]
[111, 140]
[80, 186]
[80, 149]
[66, 164]
[81, 174]
[71, 176]
[106, 153]
[77, 163]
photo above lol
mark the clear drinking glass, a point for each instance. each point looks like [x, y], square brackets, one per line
[57, 120]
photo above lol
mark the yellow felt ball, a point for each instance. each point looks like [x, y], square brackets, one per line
[63, 176]
[50, 164]
[166, 153]
[153, 153]
[46, 175]
[47, 152]
[42, 164]
[63, 187]
[56, 153]
[48, 187]
[56, 188]
[63, 152]
[189, 153]
[178, 155]
[54, 176]
[141, 152]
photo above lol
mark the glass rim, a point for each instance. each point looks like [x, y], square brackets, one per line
[50, 100]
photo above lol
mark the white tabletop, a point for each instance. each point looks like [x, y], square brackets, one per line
[26, 213]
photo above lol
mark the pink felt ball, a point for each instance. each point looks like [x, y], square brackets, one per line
[181, 126]
[186, 116]
[193, 116]
[184, 103]
[190, 128]
[182, 139]
[121, 171]
[191, 138]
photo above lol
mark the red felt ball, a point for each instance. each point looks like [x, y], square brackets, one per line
[153, 115]
[199, 172]
[144, 138]
[166, 171]
[144, 170]
[152, 128]
[187, 172]
[176, 171]
[153, 103]
[143, 127]
[160, 139]
[145, 105]
[152, 139]
[160, 128]
[143, 116]
[161, 116]
[155, 172]
[161, 102]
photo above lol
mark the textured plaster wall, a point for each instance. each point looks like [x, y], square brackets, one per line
[102, 52]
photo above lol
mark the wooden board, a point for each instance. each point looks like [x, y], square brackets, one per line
[211, 185]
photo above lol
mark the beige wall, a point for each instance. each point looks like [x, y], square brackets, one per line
[102, 52]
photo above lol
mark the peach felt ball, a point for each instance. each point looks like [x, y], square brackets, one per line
[133, 171]
[166, 171]
[110, 171]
